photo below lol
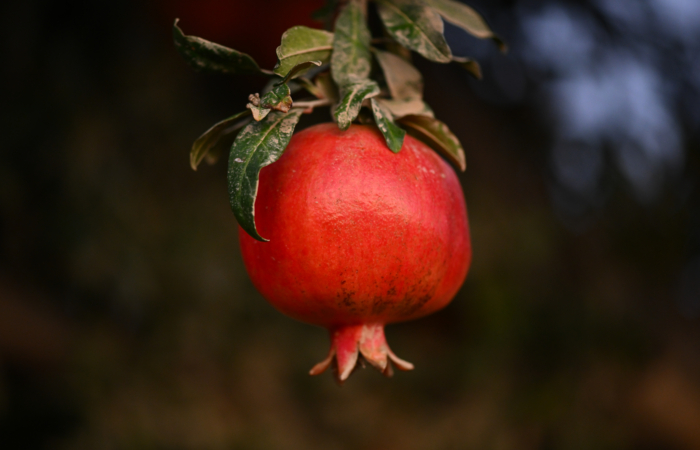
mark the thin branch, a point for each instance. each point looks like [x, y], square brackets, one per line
[310, 105]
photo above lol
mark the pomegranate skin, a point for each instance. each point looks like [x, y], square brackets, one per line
[358, 235]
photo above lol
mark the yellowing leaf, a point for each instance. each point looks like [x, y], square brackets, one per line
[438, 136]
[404, 80]
[467, 19]
[401, 108]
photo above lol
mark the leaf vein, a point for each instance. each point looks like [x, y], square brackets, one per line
[408, 19]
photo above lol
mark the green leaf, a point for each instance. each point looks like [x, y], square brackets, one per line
[207, 141]
[416, 26]
[393, 134]
[351, 60]
[279, 98]
[294, 86]
[402, 108]
[470, 65]
[210, 57]
[258, 145]
[404, 80]
[300, 68]
[467, 19]
[302, 44]
[351, 97]
[436, 134]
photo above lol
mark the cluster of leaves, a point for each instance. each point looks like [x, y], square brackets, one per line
[337, 69]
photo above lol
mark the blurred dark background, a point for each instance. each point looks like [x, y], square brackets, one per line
[127, 320]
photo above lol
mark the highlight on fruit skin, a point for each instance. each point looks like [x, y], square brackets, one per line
[361, 238]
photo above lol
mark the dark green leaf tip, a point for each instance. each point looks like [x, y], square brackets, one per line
[393, 134]
[207, 56]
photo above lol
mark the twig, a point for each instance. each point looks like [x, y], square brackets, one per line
[310, 105]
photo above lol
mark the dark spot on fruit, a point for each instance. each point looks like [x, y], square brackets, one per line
[379, 305]
[423, 300]
[346, 299]
[342, 282]
[414, 299]
[391, 291]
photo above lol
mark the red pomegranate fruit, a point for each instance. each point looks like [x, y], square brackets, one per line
[359, 237]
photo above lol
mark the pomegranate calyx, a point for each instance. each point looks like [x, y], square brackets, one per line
[348, 342]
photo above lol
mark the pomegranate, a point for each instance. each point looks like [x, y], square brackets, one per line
[359, 237]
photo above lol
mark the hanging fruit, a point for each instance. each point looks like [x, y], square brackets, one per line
[354, 226]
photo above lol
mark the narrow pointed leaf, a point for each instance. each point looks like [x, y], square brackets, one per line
[208, 56]
[301, 44]
[298, 69]
[402, 108]
[436, 134]
[404, 81]
[208, 140]
[351, 60]
[469, 65]
[351, 97]
[416, 26]
[393, 134]
[258, 145]
[467, 19]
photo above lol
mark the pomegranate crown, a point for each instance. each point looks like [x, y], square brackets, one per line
[362, 78]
